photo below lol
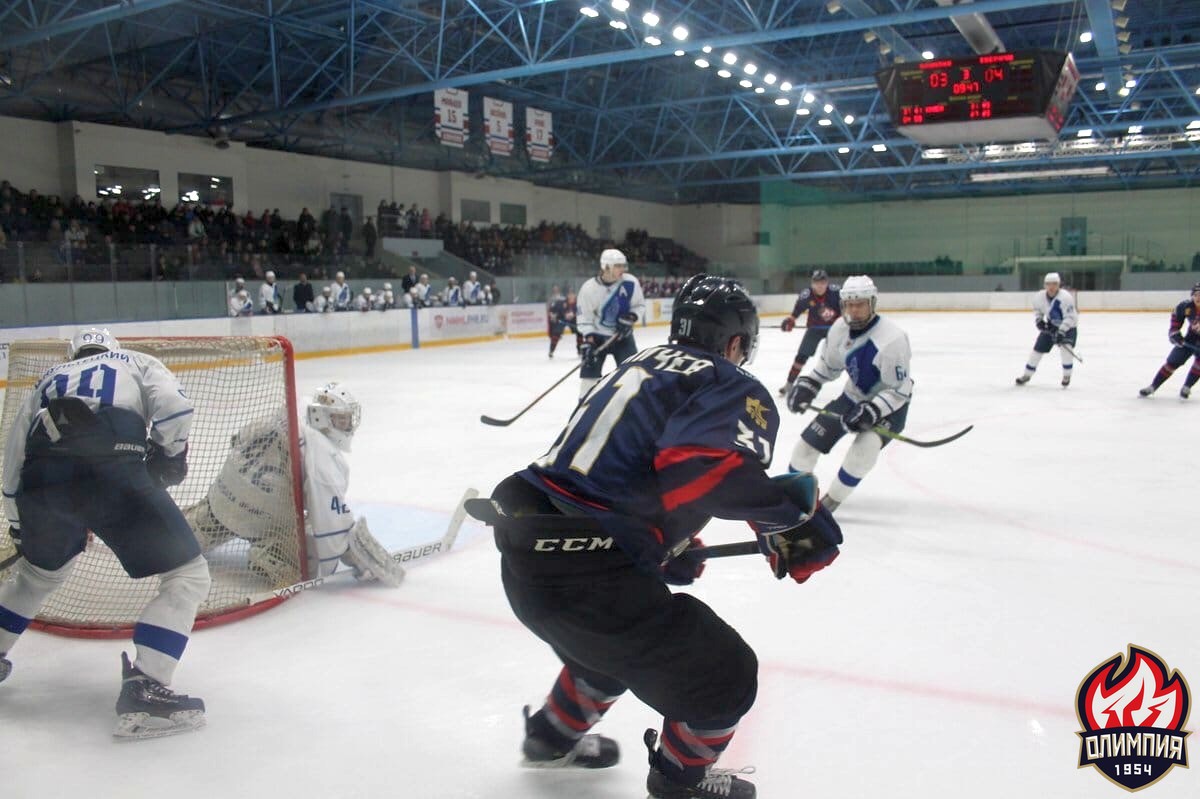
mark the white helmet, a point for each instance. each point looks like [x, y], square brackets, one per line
[1052, 277]
[93, 340]
[270, 275]
[327, 291]
[610, 258]
[336, 413]
[860, 287]
[367, 291]
[387, 286]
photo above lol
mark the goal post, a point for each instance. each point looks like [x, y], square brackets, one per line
[1078, 272]
[236, 383]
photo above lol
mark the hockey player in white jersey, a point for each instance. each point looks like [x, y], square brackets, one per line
[453, 295]
[269, 298]
[472, 290]
[255, 476]
[874, 352]
[609, 304]
[240, 304]
[365, 301]
[324, 301]
[86, 465]
[1057, 322]
[342, 295]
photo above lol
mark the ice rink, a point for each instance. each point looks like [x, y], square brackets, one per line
[939, 657]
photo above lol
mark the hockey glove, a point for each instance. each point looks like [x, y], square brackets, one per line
[801, 394]
[1059, 337]
[862, 416]
[166, 470]
[1176, 338]
[1045, 326]
[625, 323]
[788, 324]
[588, 351]
[684, 568]
[804, 550]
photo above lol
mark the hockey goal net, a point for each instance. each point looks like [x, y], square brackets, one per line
[235, 383]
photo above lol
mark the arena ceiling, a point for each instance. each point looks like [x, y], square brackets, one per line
[631, 117]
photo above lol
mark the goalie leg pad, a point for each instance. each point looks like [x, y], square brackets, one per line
[369, 559]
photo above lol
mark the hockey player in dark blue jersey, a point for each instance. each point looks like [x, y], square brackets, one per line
[821, 306]
[564, 316]
[676, 435]
[1184, 335]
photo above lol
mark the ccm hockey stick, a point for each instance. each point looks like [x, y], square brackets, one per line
[490, 512]
[494, 422]
[883, 431]
[404, 556]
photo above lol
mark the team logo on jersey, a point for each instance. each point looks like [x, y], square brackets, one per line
[757, 412]
[1133, 709]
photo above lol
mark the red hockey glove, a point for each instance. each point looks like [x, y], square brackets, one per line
[788, 324]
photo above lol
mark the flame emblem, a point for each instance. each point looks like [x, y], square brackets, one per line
[1133, 709]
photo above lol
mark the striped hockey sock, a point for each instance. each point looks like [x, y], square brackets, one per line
[1166, 371]
[573, 707]
[686, 750]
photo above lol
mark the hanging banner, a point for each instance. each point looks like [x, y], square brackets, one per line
[450, 116]
[539, 135]
[498, 126]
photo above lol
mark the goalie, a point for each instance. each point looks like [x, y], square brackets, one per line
[251, 498]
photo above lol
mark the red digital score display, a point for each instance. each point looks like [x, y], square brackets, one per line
[962, 90]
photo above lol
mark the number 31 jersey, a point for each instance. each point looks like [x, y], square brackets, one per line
[672, 438]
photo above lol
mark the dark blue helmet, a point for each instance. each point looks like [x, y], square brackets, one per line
[709, 311]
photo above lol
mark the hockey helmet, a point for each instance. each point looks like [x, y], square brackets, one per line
[92, 340]
[609, 259]
[709, 310]
[336, 413]
[367, 291]
[1196, 289]
[860, 287]
[269, 276]
[819, 274]
[1052, 277]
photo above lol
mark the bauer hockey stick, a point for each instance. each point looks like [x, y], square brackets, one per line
[490, 512]
[494, 422]
[883, 431]
[403, 556]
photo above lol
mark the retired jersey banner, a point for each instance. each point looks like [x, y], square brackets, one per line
[539, 135]
[450, 116]
[498, 126]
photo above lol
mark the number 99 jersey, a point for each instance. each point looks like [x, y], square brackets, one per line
[672, 438]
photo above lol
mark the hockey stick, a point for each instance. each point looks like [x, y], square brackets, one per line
[883, 431]
[490, 512]
[441, 546]
[494, 422]
[1071, 352]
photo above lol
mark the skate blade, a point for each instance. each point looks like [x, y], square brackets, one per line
[140, 726]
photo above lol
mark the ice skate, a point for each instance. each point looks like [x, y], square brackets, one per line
[148, 709]
[5, 667]
[1147, 391]
[1023, 379]
[718, 783]
[590, 751]
[1185, 392]
[1066, 381]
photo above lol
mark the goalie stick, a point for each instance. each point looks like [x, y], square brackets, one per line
[490, 512]
[494, 422]
[883, 431]
[404, 556]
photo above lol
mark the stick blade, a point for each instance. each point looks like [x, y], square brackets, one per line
[494, 422]
[942, 441]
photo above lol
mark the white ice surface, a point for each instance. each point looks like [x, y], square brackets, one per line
[940, 656]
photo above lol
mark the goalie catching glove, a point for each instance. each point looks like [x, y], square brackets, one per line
[369, 560]
[812, 544]
[166, 470]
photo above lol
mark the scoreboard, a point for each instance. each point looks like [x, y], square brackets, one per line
[995, 97]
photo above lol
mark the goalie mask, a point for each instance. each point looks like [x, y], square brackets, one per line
[336, 413]
[91, 341]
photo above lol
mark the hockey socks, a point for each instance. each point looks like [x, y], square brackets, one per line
[556, 736]
[688, 750]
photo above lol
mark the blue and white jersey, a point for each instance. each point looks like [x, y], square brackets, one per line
[327, 514]
[453, 296]
[875, 360]
[472, 292]
[671, 438]
[241, 306]
[133, 395]
[343, 297]
[1058, 310]
[600, 305]
[268, 294]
